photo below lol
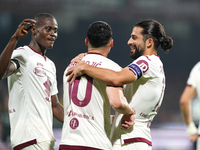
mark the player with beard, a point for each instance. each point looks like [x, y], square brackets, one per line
[144, 81]
[135, 53]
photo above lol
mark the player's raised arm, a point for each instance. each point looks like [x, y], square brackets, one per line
[8, 67]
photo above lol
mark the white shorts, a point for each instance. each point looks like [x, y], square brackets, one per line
[132, 146]
[46, 145]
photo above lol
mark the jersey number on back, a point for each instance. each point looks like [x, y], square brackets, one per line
[74, 91]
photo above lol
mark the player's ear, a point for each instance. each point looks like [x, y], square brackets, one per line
[149, 42]
[111, 43]
[86, 41]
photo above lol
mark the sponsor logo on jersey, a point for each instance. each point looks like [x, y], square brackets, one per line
[39, 72]
[70, 113]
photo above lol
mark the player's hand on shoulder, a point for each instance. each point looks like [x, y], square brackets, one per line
[75, 71]
[24, 27]
[78, 58]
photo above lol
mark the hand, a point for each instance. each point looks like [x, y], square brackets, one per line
[193, 137]
[24, 28]
[78, 58]
[75, 71]
[127, 121]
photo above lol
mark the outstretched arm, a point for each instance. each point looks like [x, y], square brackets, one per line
[107, 76]
[58, 111]
[185, 105]
[7, 68]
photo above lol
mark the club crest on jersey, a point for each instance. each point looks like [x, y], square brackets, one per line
[74, 123]
[39, 72]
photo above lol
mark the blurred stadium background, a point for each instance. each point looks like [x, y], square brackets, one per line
[180, 18]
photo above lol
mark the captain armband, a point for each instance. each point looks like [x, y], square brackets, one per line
[15, 63]
[191, 129]
[136, 69]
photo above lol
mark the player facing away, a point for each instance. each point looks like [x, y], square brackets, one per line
[191, 90]
[32, 85]
[144, 81]
[86, 103]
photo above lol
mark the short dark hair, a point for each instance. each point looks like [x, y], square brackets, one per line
[99, 33]
[153, 29]
[39, 18]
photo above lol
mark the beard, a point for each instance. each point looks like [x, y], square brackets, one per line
[137, 53]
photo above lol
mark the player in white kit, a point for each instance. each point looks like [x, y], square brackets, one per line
[145, 84]
[191, 90]
[32, 85]
[86, 104]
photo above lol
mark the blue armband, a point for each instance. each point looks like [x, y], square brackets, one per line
[135, 68]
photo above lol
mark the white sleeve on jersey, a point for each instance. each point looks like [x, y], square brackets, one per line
[192, 80]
